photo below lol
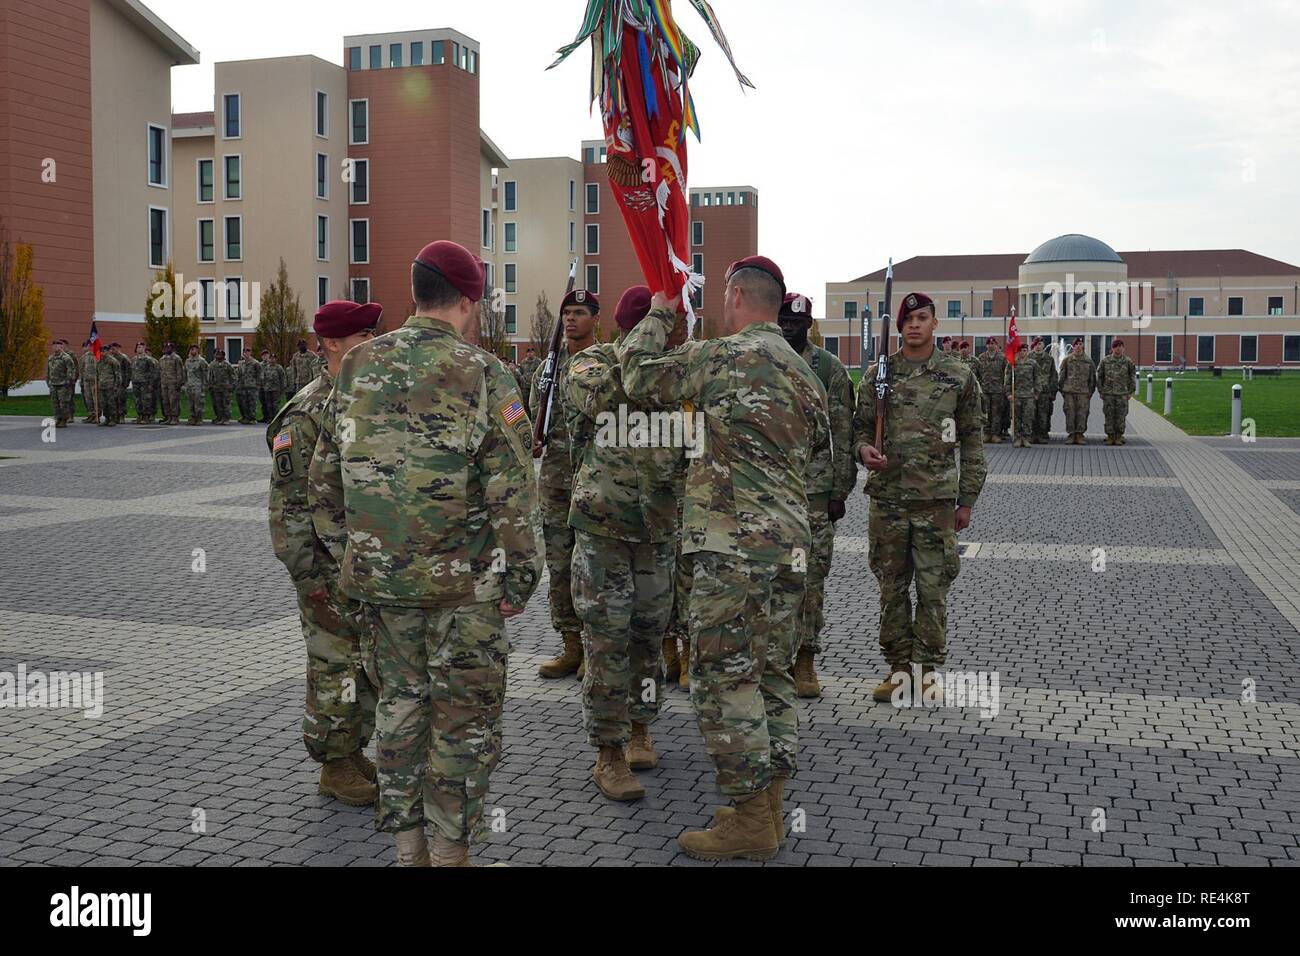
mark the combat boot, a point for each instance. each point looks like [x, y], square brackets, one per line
[1119, 440]
[449, 852]
[685, 680]
[883, 692]
[340, 779]
[570, 658]
[776, 807]
[641, 748]
[744, 833]
[613, 776]
[362, 763]
[805, 675]
[1110, 440]
[672, 664]
[994, 440]
[412, 847]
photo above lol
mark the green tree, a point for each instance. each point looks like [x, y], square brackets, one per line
[281, 322]
[168, 317]
[23, 339]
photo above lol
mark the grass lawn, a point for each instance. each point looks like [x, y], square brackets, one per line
[1203, 404]
[40, 405]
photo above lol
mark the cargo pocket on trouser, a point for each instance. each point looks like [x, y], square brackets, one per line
[934, 552]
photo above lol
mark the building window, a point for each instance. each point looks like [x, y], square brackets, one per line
[1236, 305]
[1291, 348]
[697, 233]
[395, 54]
[473, 61]
[322, 176]
[1250, 348]
[438, 49]
[205, 178]
[232, 121]
[376, 57]
[707, 199]
[1274, 305]
[588, 154]
[455, 53]
[234, 186]
[746, 199]
[359, 125]
[512, 319]
[573, 195]
[207, 300]
[697, 266]
[354, 58]
[360, 241]
[512, 198]
[207, 240]
[830, 343]
[234, 349]
[417, 53]
[1195, 306]
[1033, 304]
[322, 290]
[322, 238]
[1164, 348]
[234, 233]
[954, 308]
[487, 228]
[489, 272]
[360, 181]
[850, 308]
[1205, 349]
[157, 155]
[695, 199]
[512, 277]
[512, 237]
[360, 290]
[593, 239]
[988, 308]
[157, 237]
[593, 279]
[573, 236]
[233, 298]
[593, 199]
[322, 113]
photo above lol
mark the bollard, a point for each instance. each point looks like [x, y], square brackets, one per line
[1169, 397]
[1236, 410]
[1150, 378]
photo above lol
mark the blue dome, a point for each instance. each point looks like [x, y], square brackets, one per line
[1073, 248]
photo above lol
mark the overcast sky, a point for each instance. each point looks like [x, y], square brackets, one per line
[904, 128]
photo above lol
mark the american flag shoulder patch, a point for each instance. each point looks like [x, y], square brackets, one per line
[283, 441]
[512, 412]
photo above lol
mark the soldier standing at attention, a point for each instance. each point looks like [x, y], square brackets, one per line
[196, 384]
[967, 358]
[1117, 381]
[1078, 382]
[300, 368]
[124, 367]
[624, 521]
[171, 376]
[320, 359]
[1022, 382]
[61, 378]
[339, 717]
[578, 312]
[89, 383]
[918, 501]
[439, 551]
[221, 380]
[272, 385]
[1047, 387]
[528, 368]
[746, 526]
[992, 376]
[830, 479]
[144, 374]
[248, 382]
[108, 373]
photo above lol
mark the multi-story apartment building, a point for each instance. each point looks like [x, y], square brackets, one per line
[85, 155]
[1201, 307]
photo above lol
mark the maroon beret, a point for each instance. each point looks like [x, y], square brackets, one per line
[991, 340]
[911, 302]
[341, 318]
[457, 265]
[583, 298]
[1078, 341]
[1116, 342]
[632, 307]
[762, 264]
[797, 305]
[963, 344]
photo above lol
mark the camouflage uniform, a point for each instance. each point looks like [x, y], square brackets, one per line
[61, 377]
[1022, 382]
[340, 716]
[911, 531]
[831, 476]
[144, 379]
[527, 372]
[124, 380]
[221, 380]
[272, 388]
[745, 525]
[1116, 380]
[992, 371]
[90, 385]
[555, 490]
[300, 371]
[430, 549]
[1078, 381]
[171, 376]
[624, 516]
[248, 380]
[1047, 388]
[108, 374]
[196, 385]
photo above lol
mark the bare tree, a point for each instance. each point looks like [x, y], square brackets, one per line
[541, 325]
[492, 333]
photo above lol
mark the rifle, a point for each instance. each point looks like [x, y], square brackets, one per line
[546, 384]
[882, 359]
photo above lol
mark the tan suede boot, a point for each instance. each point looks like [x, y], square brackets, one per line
[363, 764]
[412, 847]
[883, 692]
[742, 833]
[805, 675]
[672, 663]
[614, 778]
[341, 779]
[568, 661]
[641, 748]
[776, 806]
[685, 680]
[449, 852]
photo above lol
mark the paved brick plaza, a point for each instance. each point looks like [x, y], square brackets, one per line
[1120, 690]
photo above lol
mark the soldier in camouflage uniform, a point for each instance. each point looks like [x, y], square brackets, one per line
[61, 378]
[124, 378]
[89, 383]
[1047, 388]
[248, 381]
[144, 381]
[171, 376]
[830, 481]
[746, 526]
[967, 358]
[196, 384]
[922, 490]
[320, 358]
[528, 371]
[624, 520]
[272, 390]
[340, 713]
[221, 382]
[991, 370]
[301, 368]
[439, 551]
[1078, 382]
[108, 374]
[1022, 383]
[1117, 381]
[578, 312]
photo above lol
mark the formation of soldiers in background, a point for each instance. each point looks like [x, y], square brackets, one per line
[158, 384]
